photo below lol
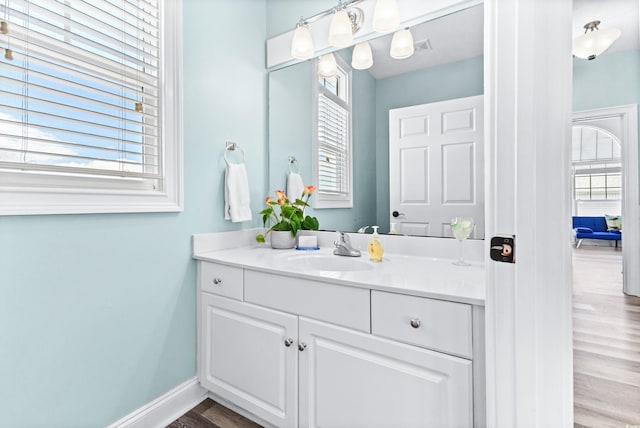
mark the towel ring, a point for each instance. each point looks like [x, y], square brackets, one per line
[293, 162]
[232, 146]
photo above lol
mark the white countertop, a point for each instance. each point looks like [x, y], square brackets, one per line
[399, 273]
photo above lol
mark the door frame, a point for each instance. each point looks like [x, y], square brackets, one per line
[630, 188]
[528, 79]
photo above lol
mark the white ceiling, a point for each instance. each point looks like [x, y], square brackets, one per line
[621, 14]
[459, 36]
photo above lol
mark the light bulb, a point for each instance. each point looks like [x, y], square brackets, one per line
[327, 66]
[362, 58]
[302, 43]
[402, 44]
[386, 16]
[340, 30]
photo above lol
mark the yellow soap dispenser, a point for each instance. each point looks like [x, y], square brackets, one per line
[375, 246]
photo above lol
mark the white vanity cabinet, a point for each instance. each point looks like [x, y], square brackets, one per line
[249, 356]
[301, 353]
[350, 379]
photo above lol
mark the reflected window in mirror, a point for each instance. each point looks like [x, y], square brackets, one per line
[332, 154]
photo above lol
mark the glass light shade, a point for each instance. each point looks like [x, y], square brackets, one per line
[302, 43]
[327, 66]
[593, 43]
[386, 17]
[362, 58]
[340, 30]
[402, 44]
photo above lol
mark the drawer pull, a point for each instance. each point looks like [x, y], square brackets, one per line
[288, 342]
[217, 281]
[415, 322]
[302, 346]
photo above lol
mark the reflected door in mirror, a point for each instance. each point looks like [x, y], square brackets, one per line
[436, 166]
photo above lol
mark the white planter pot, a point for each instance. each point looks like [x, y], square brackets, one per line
[281, 240]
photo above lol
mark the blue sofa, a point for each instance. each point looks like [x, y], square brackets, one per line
[594, 228]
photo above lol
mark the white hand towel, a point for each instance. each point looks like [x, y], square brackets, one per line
[237, 203]
[294, 186]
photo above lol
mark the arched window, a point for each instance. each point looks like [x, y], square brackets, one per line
[597, 165]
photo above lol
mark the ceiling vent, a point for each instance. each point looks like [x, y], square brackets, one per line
[423, 45]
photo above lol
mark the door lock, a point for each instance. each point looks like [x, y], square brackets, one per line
[503, 249]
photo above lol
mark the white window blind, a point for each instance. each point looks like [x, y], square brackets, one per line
[333, 149]
[80, 95]
[332, 157]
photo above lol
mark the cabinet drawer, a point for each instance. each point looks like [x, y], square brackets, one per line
[434, 324]
[337, 304]
[222, 280]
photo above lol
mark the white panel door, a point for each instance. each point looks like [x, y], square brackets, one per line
[245, 358]
[351, 379]
[436, 172]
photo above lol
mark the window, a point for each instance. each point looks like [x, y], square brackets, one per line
[86, 122]
[332, 158]
[597, 166]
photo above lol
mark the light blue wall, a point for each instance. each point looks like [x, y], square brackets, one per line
[283, 15]
[97, 312]
[446, 82]
[612, 79]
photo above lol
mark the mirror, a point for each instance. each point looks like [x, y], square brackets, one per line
[447, 64]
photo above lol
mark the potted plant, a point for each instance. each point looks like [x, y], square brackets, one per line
[287, 218]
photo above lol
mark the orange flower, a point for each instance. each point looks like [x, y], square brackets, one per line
[281, 196]
[308, 190]
[267, 200]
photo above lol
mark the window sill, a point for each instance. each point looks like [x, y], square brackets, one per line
[39, 201]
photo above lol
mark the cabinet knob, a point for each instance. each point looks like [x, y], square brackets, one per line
[302, 346]
[288, 342]
[217, 281]
[415, 322]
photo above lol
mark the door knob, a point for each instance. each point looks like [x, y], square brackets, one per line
[397, 214]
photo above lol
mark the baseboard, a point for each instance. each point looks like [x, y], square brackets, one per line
[166, 408]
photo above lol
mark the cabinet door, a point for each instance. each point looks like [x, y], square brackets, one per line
[350, 379]
[247, 358]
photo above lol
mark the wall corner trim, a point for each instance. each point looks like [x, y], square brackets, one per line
[166, 408]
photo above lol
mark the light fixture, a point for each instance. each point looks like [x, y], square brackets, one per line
[362, 58]
[340, 31]
[594, 41]
[386, 17]
[402, 44]
[327, 66]
[302, 43]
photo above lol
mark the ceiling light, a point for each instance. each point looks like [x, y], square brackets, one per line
[402, 44]
[340, 29]
[362, 58]
[386, 17]
[302, 43]
[327, 66]
[594, 41]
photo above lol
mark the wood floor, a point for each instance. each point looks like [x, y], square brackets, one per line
[210, 414]
[606, 351]
[606, 342]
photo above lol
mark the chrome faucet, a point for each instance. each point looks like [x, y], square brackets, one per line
[344, 248]
[363, 229]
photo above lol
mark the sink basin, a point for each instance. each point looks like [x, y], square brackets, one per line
[329, 263]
